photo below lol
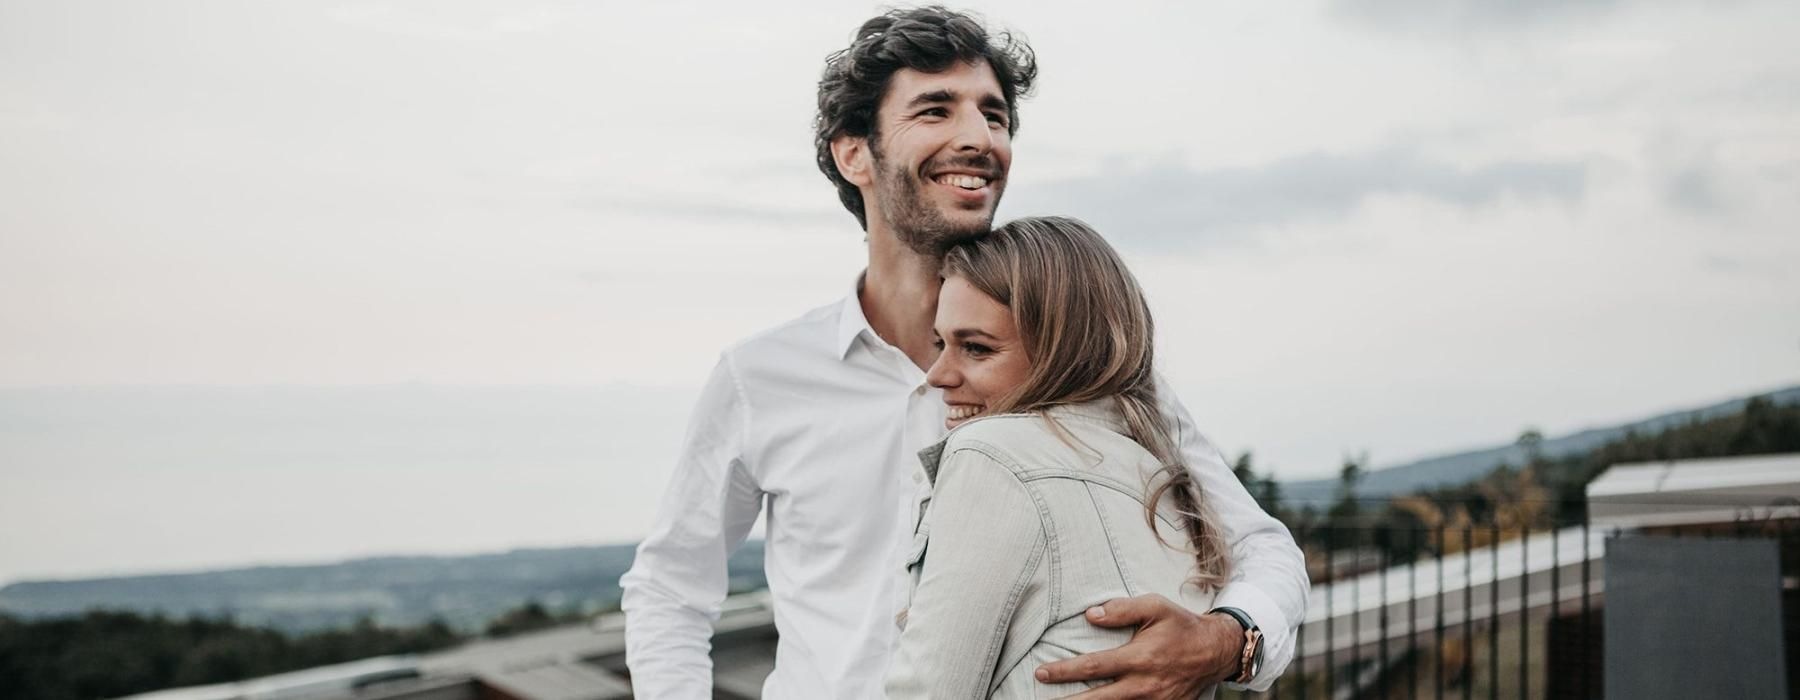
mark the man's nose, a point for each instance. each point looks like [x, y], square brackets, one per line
[973, 134]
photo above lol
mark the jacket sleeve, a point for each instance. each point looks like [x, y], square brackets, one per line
[1268, 579]
[984, 546]
[678, 579]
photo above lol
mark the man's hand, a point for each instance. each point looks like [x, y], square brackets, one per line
[1174, 653]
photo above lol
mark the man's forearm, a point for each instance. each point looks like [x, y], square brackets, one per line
[668, 645]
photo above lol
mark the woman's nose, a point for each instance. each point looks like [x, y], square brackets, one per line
[941, 374]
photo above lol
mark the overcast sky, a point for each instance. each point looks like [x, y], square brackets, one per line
[1393, 226]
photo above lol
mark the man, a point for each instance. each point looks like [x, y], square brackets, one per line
[816, 424]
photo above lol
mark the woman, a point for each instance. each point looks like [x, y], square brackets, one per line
[1057, 488]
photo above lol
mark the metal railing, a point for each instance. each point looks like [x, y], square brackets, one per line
[1468, 611]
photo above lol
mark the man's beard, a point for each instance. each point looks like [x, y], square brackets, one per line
[919, 225]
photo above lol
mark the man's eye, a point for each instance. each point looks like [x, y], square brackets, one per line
[935, 112]
[939, 344]
[996, 119]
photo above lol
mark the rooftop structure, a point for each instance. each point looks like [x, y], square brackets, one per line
[1698, 491]
[573, 662]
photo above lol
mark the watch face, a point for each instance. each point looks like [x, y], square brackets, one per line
[1255, 654]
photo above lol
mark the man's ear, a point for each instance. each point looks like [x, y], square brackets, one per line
[853, 159]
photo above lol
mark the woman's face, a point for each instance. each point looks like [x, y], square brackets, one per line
[981, 357]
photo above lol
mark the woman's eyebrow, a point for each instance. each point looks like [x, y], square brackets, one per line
[965, 333]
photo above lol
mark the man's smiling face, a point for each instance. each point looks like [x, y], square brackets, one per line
[941, 152]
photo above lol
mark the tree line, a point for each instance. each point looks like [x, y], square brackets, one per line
[1538, 494]
[111, 653]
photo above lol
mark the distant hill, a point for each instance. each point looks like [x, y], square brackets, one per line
[1463, 467]
[464, 591]
[468, 591]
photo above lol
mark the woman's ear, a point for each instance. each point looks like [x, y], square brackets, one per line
[851, 154]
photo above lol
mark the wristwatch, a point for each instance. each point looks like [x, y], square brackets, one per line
[1251, 662]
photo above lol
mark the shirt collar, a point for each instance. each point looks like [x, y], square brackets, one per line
[851, 321]
[1104, 411]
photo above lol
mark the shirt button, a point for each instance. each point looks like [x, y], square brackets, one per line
[918, 478]
[919, 391]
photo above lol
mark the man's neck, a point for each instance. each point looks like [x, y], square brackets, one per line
[899, 295]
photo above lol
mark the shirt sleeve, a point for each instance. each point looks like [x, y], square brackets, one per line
[1268, 579]
[678, 580]
[984, 548]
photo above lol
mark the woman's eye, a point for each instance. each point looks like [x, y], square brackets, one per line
[976, 349]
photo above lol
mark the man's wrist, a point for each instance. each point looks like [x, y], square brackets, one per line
[1224, 646]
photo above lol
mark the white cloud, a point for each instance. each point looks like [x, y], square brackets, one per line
[1180, 209]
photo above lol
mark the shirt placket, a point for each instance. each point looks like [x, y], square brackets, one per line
[923, 426]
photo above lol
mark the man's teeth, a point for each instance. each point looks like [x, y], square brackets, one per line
[963, 412]
[967, 182]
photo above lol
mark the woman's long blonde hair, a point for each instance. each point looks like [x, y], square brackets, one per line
[1086, 329]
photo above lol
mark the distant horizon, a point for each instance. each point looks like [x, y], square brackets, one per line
[78, 573]
[346, 559]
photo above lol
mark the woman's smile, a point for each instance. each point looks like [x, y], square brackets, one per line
[958, 413]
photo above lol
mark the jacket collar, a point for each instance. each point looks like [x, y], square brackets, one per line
[1104, 412]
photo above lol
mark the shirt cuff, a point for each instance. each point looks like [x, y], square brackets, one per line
[1268, 618]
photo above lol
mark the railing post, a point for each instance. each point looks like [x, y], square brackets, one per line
[1387, 538]
[1587, 690]
[1555, 598]
[1412, 613]
[1356, 604]
[1437, 637]
[1494, 611]
[1300, 642]
[1524, 611]
[1468, 630]
[1330, 593]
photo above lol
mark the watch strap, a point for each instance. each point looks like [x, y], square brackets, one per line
[1251, 661]
[1243, 618]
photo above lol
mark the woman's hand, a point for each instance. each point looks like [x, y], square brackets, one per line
[1174, 653]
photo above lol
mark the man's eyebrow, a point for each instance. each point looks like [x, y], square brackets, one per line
[988, 101]
[932, 98]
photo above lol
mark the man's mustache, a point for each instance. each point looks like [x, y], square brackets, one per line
[984, 164]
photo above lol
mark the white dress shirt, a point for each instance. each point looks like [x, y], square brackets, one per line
[816, 426]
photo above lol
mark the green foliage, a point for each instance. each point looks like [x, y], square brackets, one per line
[1267, 493]
[1550, 492]
[529, 617]
[1540, 494]
[103, 654]
[1244, 471]
[1763, 427]
[1345, 507]
[1265, 489]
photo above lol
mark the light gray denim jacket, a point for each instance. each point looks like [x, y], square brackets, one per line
[1022, 531]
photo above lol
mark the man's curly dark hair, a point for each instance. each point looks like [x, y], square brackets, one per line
[926, 39]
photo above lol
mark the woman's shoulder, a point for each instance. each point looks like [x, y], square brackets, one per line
[1040, 440]
[1000, 434]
